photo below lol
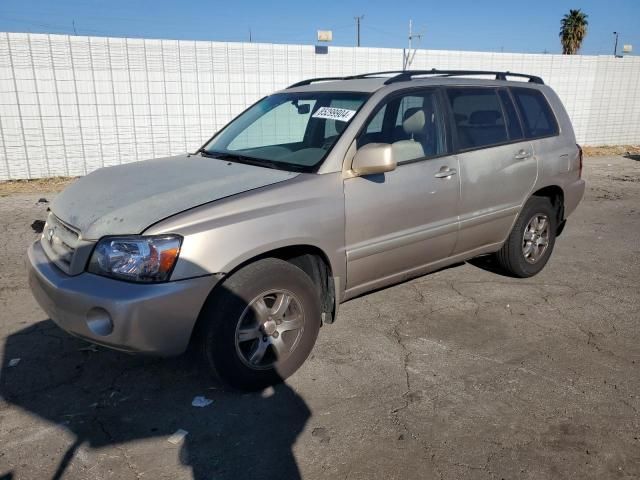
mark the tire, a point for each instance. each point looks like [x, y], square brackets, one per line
[241, 308]
[512, 257]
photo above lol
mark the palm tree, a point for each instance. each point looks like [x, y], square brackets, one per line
[573, 29]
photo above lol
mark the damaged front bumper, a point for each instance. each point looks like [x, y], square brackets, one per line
[146, 318]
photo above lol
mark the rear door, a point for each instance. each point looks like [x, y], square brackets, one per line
[498, 168]
[540, 126]
[401, 221]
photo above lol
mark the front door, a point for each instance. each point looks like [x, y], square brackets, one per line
[399, 222]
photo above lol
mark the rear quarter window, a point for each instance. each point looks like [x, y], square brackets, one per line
[537, 117]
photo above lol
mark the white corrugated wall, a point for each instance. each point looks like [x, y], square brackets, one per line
[71, 104]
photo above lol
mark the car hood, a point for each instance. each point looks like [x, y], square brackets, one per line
[126, 199]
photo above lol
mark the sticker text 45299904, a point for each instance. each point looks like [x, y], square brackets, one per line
[333, 113]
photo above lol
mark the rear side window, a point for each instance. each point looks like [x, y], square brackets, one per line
[478, 117]
[536, 114]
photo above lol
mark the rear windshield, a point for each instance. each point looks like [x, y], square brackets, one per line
[289, 131]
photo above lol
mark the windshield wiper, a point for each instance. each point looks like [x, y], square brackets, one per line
[258, 162]
[204, 153]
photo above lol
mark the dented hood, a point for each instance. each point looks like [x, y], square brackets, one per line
[127, 199]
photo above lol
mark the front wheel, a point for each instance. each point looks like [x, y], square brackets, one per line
[260, 325]
[531, 240]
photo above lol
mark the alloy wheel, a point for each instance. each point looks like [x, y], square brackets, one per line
[269, 329]
[535, 240]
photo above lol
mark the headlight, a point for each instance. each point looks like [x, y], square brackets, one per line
[136, 258]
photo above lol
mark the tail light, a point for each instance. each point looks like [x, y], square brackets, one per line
[580, 156]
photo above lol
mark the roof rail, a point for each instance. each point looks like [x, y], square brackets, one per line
[309, 81]
[406, 75]
[409, 74]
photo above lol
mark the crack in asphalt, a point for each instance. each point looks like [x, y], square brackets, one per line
[405, 362]
[395, 413]
[130, 465]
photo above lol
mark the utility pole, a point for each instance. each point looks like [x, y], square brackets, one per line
[411, 53]
[615, 45]
[250, 38]
[358, 19]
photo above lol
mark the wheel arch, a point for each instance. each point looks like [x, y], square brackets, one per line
[555, 194]
[310, 259]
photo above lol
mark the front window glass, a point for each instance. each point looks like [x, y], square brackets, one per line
[411, 123]
[375, 125]
[290, 131]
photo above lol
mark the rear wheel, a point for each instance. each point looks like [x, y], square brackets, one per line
[532, 239]
[260, 325]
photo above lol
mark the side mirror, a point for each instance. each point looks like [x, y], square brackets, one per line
[373, 158]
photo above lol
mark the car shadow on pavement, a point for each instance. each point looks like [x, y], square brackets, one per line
[489, 264]
[107, 398]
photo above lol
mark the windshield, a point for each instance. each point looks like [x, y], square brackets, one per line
[289, 131]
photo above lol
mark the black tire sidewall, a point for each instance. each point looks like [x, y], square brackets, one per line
[222, 313]
[518, 265]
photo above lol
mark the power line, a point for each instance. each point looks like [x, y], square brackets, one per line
[56, 27]
[340, 27]
[379, 30]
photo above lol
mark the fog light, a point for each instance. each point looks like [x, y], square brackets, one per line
[99, 321]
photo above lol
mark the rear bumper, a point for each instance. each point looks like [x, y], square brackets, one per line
[147, 318]
[573, 193]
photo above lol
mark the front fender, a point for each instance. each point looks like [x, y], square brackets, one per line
[218, 237]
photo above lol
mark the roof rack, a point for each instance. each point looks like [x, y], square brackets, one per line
[409, 74]
[309, 81]
[406, 75]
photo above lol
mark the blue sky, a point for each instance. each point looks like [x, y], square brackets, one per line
[510, 26]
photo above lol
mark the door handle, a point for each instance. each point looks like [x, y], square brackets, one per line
[522, 154]
[446, 172]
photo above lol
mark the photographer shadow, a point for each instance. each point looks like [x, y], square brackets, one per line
[106, 398]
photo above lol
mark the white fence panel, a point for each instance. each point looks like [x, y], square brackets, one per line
[72, 104]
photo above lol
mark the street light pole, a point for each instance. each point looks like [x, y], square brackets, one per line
[615, 45]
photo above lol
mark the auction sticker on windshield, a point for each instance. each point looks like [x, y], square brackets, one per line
[332, 113]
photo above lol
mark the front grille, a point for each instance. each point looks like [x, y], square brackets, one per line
[59, 242]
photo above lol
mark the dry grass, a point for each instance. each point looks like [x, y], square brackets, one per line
[615, 150]
[54, 184]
